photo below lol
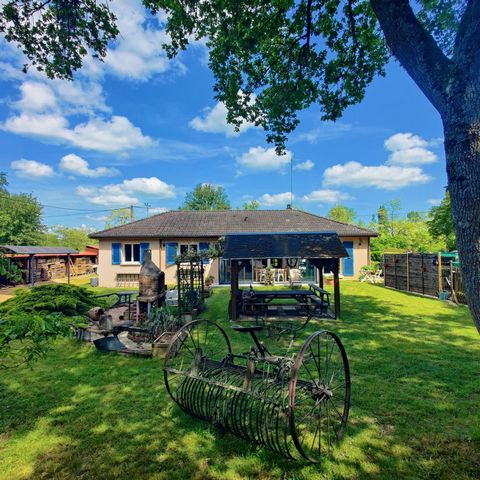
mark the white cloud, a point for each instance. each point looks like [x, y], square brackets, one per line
[123, 194]
[326, 196]
[326, 131]
[103, 196]
[305, 166]
[215, 121]
[78, 166]
[150, 186]
[403, 141]
[35, 97]
[274, 199]
[355, 174]
[409, 149]
[261, 159]
[115, 135]
[137, 53]
[434, 201]
[61, 97]
[157, 210]
[31, 168]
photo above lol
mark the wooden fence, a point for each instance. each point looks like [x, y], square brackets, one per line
[423, 273]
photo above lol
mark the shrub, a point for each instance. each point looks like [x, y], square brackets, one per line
[34, 317]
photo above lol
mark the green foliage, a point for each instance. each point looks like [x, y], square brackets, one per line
[341, 213]
[34, 317]
[442, 19]
[206, 196]
[289, 54]
[56, 35]
[119, 216]
[60, 236]
[162, 319]
[269, 59]
[20, 217]
[441, 223]
[269, 276]
[252, 205]
[68, 300]
[397, 234]
[9, 270]
[382, 215]
[3, 182]
[25, 338]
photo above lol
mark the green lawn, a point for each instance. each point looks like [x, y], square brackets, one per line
[80, 414]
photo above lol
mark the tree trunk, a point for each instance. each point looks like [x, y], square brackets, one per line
[462, 149]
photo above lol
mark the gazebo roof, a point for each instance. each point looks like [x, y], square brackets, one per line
[308, 245]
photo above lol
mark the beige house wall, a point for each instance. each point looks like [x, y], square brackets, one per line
[361, 254]
[108, 273]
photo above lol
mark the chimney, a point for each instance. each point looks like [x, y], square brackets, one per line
[289, 207]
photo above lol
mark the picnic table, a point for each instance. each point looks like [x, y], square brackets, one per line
[269, 305]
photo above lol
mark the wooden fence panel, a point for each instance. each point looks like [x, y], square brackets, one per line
[413, 272]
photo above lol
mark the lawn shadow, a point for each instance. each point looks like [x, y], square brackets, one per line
[415, 393]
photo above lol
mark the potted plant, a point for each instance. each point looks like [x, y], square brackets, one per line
[269, 277]
[208, 284]
[164, 323]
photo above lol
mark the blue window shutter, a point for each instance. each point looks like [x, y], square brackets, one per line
[116, 253]
[202, 247]
[143, 247]
[171, 252]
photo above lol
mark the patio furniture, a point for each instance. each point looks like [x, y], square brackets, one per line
[323, 250]
[296, 405]
[280, 274]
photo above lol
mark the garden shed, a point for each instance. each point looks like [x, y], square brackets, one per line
[323, 249]
[41, 263]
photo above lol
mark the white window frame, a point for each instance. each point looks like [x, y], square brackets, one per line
[189, 244]
[130, 262]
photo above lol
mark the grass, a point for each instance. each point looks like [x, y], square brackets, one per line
[80, 414]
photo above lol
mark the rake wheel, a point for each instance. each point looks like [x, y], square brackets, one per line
[319, 395]
[199, 347]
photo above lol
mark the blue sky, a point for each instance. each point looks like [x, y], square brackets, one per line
[142, 129]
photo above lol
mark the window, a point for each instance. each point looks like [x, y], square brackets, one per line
[184, 247]
[131, 253]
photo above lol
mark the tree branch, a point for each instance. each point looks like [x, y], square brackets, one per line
[415, 49]
[465, 51]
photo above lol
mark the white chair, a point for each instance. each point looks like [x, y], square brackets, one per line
[263, 272]
[280, 275]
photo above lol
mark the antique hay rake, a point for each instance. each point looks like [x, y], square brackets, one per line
[297, 406]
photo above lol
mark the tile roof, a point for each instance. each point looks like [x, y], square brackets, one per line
[216, 223]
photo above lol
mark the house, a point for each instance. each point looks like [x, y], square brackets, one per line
[172, 233]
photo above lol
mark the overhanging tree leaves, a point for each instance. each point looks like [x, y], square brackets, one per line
[56, 35]
[272, 59]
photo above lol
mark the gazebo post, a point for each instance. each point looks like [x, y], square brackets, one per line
[320, 276]
[336, 286]
[233, 288]
[31, 272]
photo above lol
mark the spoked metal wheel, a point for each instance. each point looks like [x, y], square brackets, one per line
[197, 348]
[319, 395]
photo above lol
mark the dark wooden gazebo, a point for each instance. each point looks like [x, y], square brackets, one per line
[322, 249]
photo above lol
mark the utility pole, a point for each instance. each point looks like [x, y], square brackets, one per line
[132, 216]
[147, 206]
